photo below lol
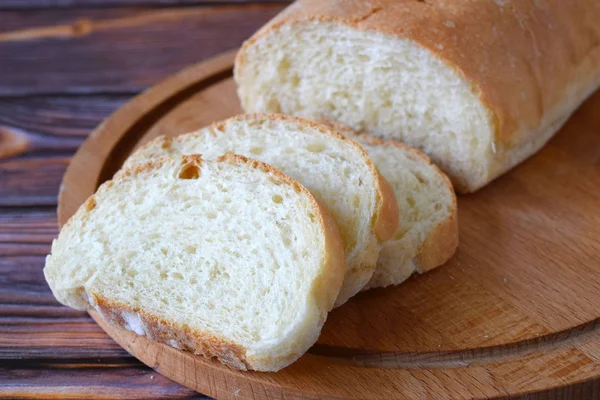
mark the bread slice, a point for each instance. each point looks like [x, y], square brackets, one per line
[478, 86]
[427, 234]
[336, 170]
[228, 258]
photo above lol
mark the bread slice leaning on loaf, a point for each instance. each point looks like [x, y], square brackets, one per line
[228, 258]
[478, 86]
[336, 170]
[427, 234]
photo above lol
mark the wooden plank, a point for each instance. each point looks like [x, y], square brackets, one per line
[62, 116]
[96, 379]
[67, 4]
[120, 53]
[32, 323]
[31, 181]
[33, 226]
[22, 283]
[37, 137]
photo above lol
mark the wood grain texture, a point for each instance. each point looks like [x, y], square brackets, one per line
[88, 380]
[119, 51]
[53, 92]
[31, 181]
[69, 4]
[513, 312]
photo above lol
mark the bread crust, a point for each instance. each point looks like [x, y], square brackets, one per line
[326, 285]
[178, 336]
[531, 63]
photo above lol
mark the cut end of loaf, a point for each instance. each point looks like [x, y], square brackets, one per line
[209, 256]
[387, 87]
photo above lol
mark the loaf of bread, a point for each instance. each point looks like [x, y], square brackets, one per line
[337, 171]
[228, 258]
[479, 86]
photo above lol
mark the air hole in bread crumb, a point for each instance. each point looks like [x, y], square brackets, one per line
[163, 275]
[256, 150]
[190, 249]
[411, 201]
[193, 281]
[164, 251]
[212, 215]
[277, 199]
[316, 147]
[421, 179]
[132, 273]
[190, 171]
[177, 275]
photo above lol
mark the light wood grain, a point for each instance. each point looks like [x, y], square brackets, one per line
[513, 312]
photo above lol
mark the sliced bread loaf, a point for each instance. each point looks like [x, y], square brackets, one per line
[479, 86]
[336, 170]
[427, 234]
[229, 259]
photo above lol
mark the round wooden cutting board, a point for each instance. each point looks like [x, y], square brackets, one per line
[515, 311]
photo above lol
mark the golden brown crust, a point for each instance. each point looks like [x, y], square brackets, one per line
[440, 245]
[530, 62]
[175, 335]
[388, 215]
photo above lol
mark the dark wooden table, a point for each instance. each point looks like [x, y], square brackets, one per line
[65, 65]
